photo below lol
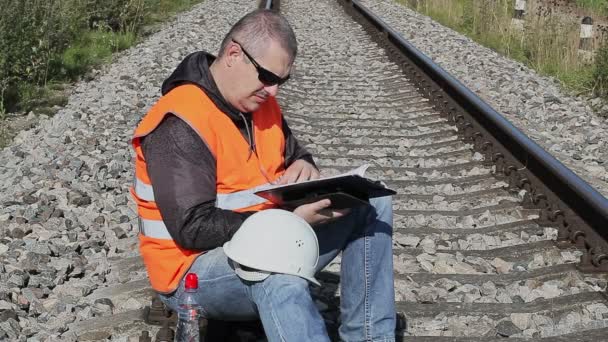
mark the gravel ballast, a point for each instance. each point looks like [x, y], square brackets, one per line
[68, 228]
[66, 217]
[562, 124]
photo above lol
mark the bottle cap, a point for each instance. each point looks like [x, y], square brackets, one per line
[191, 281]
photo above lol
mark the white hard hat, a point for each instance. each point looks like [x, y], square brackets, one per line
[274, 241]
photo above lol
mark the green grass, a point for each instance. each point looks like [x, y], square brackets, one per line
[93, 49]
[548, 44]
[168, 8]
[51, 42]
[600, 6]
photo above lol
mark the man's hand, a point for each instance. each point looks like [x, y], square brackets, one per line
[318, 212]
[299, 171]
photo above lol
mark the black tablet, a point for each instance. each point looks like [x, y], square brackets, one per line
[346, 191]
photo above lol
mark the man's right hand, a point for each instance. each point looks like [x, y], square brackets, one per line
[319, 212]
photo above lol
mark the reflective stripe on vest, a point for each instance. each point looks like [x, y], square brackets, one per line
[238, 172]
[144, 191]
[234, 201]
[154, 229]
[240, 199]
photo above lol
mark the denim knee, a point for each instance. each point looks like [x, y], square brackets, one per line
[281, 289]
[383, 207]
[279, 281]
[287, 310]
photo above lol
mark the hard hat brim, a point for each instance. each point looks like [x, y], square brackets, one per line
[257, 275]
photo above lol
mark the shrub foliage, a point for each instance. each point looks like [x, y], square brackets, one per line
[44, 41]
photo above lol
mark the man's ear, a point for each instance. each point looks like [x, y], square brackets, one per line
[233, 53]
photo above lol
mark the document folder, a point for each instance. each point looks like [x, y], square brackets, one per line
[344, 191]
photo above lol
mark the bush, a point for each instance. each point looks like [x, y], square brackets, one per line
[118, 15]
[600, 72]
[91, 49]
[600, 6]
[32, 33]
[44, 41]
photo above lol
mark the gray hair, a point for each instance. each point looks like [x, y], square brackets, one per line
[255, 31]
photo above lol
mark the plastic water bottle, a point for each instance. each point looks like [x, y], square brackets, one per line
[188, 312]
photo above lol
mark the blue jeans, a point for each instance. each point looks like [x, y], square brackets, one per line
[283, 302]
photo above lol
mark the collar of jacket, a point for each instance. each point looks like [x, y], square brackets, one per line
[194, 69]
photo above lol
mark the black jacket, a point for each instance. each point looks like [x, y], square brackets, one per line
[183, 170]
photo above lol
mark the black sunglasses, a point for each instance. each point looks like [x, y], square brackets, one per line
[267, 77]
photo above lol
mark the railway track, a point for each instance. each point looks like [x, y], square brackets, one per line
[479, 254]
[470, 259]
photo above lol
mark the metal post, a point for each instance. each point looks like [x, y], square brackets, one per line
[517, 21]
[585, 46]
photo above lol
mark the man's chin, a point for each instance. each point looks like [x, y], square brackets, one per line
[252, 106]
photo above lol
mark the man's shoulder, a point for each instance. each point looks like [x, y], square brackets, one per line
[176, 133]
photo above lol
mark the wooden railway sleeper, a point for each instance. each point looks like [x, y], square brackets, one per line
[437, 97]
[487, 148]
[578, 238]
[459, 119]
[383, 33]
[524, 183]
[211, 330]
[165, 334]
[468, 131]
[505, 168]
[557, 218]
[594, 259]
[568, 227]
[450, 115]
[426, 90]
[477, 138]
[145, 337]
[541, 202]
[600, 258]
[441, 105]
[586, 259]
[544, 218]
[437, 101]
[499, 159]
[157, 313]
[511, 173]
[563, 234]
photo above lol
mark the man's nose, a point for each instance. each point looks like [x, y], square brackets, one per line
[272, 90]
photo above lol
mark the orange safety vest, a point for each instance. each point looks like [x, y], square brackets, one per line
[239, 174]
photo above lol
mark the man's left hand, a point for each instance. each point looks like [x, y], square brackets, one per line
[299, 171]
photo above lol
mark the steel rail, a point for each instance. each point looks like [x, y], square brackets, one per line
[270, 5]
[578, 195]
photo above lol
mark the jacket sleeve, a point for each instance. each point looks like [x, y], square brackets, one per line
[183, 174]
[293, 149]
